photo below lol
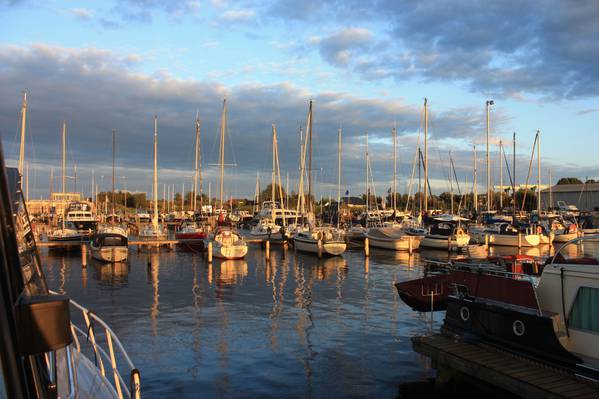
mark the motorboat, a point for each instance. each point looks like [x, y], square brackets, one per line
[48, 337]
[81, 216]
[267, 230]
[560, 328]
[447, 233]
[110, 244]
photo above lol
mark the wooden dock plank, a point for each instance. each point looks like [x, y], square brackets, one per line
[517, 375]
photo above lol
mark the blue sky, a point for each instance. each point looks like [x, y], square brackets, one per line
[367, 64]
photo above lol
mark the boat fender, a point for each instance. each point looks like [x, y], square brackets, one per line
[319, 236]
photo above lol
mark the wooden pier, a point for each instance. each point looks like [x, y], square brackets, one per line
[513, 374]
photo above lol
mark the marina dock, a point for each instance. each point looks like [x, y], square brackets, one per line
[503, 370]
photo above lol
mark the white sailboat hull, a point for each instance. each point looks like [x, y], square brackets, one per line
[330, 248]
[394, 244]
[443, 242]
[526, 240]
[235, 251]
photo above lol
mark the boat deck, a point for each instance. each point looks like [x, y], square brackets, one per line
[511, 373]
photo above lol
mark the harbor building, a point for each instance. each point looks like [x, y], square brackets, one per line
[584, 196]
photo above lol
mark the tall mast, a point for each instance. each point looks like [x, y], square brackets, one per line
[310, 209]
[425, 155]
[500, 175]
[450, 183]
[27, 182]
[197, 171]
[550, 192]
[488, 105]
[155, 182]
[278, 170]
[339, 151]
[272, 180]
[367, 186]
[475, 183]
[394, 185]
[64, 158]
[539, 173]
[223, 129]
[113, 157]
[183, 198]
[514, 179]
[23, 130]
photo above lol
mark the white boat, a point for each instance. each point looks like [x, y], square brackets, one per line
[569, 287]
[110, 244]
[394, 238]
[154, 231]
[82, 217]
[227, 244]
[505, 234]
[446, 233]
[267, 230]
[323, 241]
[67, 233]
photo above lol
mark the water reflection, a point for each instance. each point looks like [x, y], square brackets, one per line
[153, 271]
[111, 274]
[232, 272]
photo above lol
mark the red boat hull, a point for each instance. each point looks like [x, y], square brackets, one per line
[417, 293]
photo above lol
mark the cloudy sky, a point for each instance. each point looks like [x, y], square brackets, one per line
[368, 65]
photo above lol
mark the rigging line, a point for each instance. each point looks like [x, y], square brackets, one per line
[507, 166]
[532, 155]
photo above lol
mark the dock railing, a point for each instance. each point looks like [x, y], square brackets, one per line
[87, 340]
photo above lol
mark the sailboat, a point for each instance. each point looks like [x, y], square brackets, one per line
[154, 231]
[393, 236]
[267, 227]
[317, 240]
[110, 242]
[192, 233]
[68, 231]
[226, 242]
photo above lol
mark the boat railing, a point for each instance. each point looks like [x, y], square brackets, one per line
[88, 339]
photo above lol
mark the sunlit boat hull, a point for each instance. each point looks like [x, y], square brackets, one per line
[329, 248]
[110, 254]
[443, 242]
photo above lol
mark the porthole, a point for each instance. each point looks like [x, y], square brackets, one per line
[518, 327]
[464, 313]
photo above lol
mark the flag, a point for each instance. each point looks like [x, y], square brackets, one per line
[347, 192]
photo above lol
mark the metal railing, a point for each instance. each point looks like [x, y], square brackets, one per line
[94, 327]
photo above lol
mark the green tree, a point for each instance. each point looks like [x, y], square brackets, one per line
[569, 180]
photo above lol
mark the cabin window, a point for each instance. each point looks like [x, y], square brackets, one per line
[584, 315]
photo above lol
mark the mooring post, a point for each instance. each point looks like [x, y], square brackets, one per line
[267, 252]
[519, 240]
[83, 255]
[487, 242]
[319, 244]
[410, 245]
[210, 252]
[449, 243]
[366, 248]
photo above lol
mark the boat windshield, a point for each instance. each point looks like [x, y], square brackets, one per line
[582, 251]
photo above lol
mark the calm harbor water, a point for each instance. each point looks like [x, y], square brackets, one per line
[295, 326]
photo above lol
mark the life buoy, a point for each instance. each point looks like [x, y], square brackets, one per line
[539, 230]
[572, 228]
[460, 232]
